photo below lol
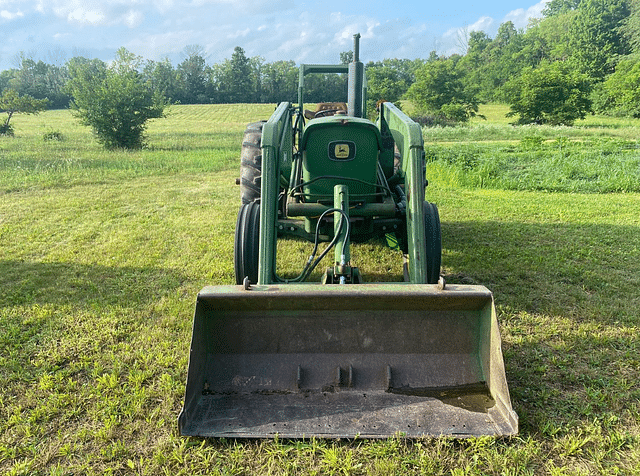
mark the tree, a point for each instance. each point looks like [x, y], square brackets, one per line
[594, 36]
[279, 82]
[114, 100]
[384, 83]
[551, 33]
[475, 64]
[346, 57]
[239, 76]
[255, 88]
[630, 27]
[439, 90]
[237, 80]
[326, 88]
[13, 103]
[506, 57]
[489, 64]
[620, 90]
[193, 77]
[551, 94]
[559, 7]
[41, 80]
[161, 76]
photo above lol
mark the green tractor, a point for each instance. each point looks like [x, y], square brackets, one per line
[341, 358]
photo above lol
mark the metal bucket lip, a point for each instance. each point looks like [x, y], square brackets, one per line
[353, 296]
[373, 288]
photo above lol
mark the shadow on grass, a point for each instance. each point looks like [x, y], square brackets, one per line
[24, 283]
[585, 271]
[567, 305]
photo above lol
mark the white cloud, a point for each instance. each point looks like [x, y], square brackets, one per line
[133, 18]
[97, 12]
[157, 46]
[84, 15]
[483, 24]
[452, 40]
[7, 15]
[248, 7]
[60, 36]
[239, 34]
[275, 30]
[521, 17]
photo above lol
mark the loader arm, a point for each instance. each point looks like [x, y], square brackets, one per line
[277, 150]
[407, 136]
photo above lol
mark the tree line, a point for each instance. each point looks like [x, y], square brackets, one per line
[582, 56]
[240, 79]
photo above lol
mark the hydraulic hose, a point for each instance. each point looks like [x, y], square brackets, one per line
[313, 262]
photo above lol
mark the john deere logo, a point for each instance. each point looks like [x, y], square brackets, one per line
[342, 150]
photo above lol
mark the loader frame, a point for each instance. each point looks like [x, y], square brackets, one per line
[278, 138]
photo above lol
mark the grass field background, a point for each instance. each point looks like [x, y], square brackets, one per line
[102, 254]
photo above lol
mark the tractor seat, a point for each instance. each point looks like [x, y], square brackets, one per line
[326, 109]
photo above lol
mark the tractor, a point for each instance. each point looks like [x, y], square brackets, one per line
[341, 357]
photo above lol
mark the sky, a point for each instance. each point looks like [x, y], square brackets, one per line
[304, 31]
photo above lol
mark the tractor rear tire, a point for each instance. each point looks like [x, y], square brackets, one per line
[251, 163]
[434, 242]
[246, 248]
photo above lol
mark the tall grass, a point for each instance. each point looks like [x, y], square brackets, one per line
[534, 163]
[598, 155]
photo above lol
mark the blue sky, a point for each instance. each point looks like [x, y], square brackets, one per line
[300, 30]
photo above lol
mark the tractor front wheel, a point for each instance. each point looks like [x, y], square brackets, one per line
[247, 243]
[434, 242]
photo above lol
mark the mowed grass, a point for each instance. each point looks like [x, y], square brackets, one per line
[102, 254]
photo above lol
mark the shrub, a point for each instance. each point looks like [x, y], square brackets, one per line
[114, 100]
[621, 91]
[439, 91]
[52, 135]
[550, 94]
[6, 130]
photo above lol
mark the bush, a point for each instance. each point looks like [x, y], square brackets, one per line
[114, 100]
[6, 130]
[550, 94]
[52, 135]
[439, 91]
[620, 91]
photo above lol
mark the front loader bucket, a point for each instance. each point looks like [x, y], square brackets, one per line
[368, 360]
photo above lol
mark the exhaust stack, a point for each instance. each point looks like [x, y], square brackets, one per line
[356, 81]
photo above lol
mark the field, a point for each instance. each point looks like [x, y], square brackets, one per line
[102, 255]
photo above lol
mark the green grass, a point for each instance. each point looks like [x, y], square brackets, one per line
[102, 254]
[184, 142]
